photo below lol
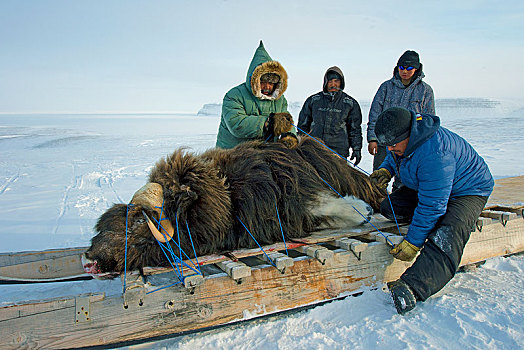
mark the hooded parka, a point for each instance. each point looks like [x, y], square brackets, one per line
[245, 109]
[334, 117]
[417, 97]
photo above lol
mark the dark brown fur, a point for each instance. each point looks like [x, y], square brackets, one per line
[214, 191]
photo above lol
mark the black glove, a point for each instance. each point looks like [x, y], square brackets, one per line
[357, 156]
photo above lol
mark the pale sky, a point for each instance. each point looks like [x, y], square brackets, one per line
[175, 56]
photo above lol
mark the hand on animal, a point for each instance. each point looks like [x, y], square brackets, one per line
[289, 140]
[372, 148]
[404, 251]
[278, 123]
[381, 178]
[357, 156]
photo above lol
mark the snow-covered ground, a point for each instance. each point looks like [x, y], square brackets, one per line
[58, 173]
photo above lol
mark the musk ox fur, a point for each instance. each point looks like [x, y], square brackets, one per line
[216, 193]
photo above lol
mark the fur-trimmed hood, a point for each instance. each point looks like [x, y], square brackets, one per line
[260, 64]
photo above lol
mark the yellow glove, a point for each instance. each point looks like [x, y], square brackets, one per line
[381, 178]
[404, 251]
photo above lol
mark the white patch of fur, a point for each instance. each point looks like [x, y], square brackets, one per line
[345, 211]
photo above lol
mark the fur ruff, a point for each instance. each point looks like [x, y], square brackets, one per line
[212, 191]
[269, 67]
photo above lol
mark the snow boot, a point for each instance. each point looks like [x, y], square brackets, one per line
[403, 296]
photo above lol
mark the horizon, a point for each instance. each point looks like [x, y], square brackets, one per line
[484, 102]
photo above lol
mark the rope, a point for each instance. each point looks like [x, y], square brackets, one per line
[352, 164]
[393, 211]
[169, 248]
[262, 249]
[365, 218]
[365, 172]
[125, 250]
[194, 251]
[281, 229]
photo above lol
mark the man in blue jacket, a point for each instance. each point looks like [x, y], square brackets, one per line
[446, 187]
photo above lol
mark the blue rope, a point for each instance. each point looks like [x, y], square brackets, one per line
[393, 211]
[352, 164]
[125, 250]
[194, 251]
[179, 244]
[365, 172]
[262, 249]
[281, 230]
[365, 218]
[169, 248]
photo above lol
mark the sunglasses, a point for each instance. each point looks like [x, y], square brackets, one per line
[405, 68]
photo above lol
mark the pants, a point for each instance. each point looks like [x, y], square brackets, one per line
[378, 159]
[441, 254]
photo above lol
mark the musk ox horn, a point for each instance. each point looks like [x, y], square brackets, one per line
[151, 195]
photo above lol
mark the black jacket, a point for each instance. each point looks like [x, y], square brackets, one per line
[333, 117]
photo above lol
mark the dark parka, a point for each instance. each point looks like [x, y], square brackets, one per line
[333, 117]
[245, 109]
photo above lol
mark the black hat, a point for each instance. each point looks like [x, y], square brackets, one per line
[393, 125]
[270, 78]
[333, 75]
[409, 59]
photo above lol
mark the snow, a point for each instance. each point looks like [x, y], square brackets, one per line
[59, 173]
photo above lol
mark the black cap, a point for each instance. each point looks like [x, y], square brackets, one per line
[333, 75]
[270, 78]
[393, 125]
[409, 59]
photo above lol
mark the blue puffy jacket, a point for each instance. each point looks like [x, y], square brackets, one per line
[439, 164]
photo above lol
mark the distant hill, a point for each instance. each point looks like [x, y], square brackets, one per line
[442, 104]
[211, 109]
[466, 103]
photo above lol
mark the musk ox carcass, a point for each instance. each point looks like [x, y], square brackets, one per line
[216, 193]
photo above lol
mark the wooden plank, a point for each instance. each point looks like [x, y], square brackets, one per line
[219, 300]
[47, 265]
[507, 191]
[316, 251]
[235, 269]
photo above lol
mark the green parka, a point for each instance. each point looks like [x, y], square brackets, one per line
[245, 109]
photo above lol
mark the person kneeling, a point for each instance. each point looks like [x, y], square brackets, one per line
[446, 187]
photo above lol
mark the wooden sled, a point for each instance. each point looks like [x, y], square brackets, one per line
[237, 286]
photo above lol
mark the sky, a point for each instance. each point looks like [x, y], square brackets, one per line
[62, 56]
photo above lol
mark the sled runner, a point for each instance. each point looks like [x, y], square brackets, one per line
[237, 286]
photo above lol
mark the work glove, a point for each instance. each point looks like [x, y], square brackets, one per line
[278, 123]
[381, 178]
[404, 251]
[289, 140]
[356, 155]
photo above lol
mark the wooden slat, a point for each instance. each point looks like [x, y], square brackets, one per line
[507, 191]
[47, 265]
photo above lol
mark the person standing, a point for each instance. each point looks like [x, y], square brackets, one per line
[334, 117]
[257, 108]
[446, 186]
[405, 89]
